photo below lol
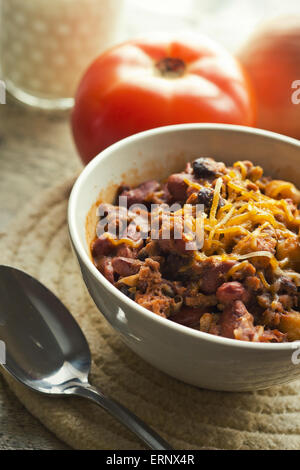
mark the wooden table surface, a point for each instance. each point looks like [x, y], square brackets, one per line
[36, 152]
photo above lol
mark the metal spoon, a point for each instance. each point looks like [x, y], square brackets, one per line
[47, 351]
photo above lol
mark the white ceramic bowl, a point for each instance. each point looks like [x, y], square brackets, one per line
[197, 358]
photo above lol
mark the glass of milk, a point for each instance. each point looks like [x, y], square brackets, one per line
[46, 45]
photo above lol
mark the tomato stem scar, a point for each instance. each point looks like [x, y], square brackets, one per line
[171, 67]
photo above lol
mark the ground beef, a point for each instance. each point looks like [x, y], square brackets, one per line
[188, 316]
[102, 246]
[253, 283]
[228, 292]
[212, 273]
[125, 266]
[265, 241]
[143, 194]
[104, 264]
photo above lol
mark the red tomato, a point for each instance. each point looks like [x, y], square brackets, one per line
[154, 82]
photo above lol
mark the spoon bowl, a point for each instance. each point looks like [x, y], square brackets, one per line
[45, 348]
[47, 351]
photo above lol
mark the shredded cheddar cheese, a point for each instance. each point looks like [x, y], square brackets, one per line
[216, 199]
[242, 168]
[249, 219]
[254, 254]
[263, 280]
[192, 183]
[236, 267]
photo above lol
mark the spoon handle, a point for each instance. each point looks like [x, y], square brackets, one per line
[122, 414]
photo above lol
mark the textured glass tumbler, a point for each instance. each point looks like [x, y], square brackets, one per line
[47, 45]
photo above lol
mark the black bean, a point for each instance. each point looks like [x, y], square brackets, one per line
[125, 290]
[208, 168]
[287, 286]
[205, 168]
[205, 196]
[143, 254]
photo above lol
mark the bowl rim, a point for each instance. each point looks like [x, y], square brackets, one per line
[122, 298]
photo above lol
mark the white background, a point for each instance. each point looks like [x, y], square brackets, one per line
[228, 21]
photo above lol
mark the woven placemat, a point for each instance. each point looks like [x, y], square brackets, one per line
[189, 418]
